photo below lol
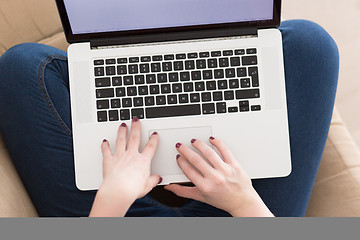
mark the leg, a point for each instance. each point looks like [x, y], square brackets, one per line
[311, 67]
[36, 125]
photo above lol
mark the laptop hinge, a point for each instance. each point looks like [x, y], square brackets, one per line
[178, 36]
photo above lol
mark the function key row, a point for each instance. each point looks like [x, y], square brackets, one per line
[180, 56]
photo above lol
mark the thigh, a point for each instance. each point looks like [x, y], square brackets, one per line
[311, 68]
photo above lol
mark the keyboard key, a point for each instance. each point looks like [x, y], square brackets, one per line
[251, 60]
[177, 88]
[131, 91]
[122, 60]
[195, 75]
[102, 104]
[139, 79]
[110, 61]
[143, 90]
[139, 113]
[221, 107]
[134, 60]
[208, 108]
[105, 93]
[120, 92]
[201, 64]
[212, 63]
[205, 97]
[192, 55]
[150, 78]
[138, 102]
[256, 108]
[149, 101]
[145, 59]
[251, 51]
[244, 106]
[199, 86]
[245, 82]
[125, 114]
[99, 71]
[235, 61]
[219, 73]
[223, 84]
[133, 69]
[114, 115]
[253, 72]
[183, 98]
[162, 78]
[223, 62]
[234, 83]
[165, 88]
[157, 58]
[211, 85]
[121, 69]
[178, 66]
[173, 111]
[228, 53]
[116, 81]
[233, 109]
[244, 94]
[195, 97]
[102, 116]
[155, 67]
[154, 89]
[239, 52]
[217, 96]
[190, 65]
[144, 68]
[204, 54]
[110, 71]
[229, 95]
[98, 62]
[160, 100]
[128, 80]
[172, 99]
[169, 57]
[185, 76]
[115, 103]
[188, 87]
[230, 73]
[167, 66]
[181, 56]
[102, 82]
[241, 72]
[207, 74]
[216, 54]
[126, 102]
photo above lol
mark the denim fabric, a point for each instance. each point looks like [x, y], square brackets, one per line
[35, 122]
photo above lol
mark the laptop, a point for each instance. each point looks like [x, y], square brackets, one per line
[187, 69]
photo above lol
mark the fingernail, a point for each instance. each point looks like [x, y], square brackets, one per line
[123, 125]
[155, 133]
[178, 156]
[178, 145]
[193, 140]
[160, 181]
[135, 119]
[212, 138]
[104, 140]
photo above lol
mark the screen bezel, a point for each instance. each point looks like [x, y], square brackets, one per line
[75, 38]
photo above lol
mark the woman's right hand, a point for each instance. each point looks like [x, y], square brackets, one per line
[222, 183]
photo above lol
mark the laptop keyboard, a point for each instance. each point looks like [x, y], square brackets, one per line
[173, 85]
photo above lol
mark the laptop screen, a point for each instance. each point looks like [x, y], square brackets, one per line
[94, 16]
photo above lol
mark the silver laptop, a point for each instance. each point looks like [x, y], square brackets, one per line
[187, 69]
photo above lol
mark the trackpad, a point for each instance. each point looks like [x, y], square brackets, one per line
[164, 162]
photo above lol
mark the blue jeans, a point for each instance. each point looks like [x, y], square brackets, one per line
[35, 123]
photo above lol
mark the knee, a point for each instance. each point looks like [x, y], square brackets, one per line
[19, 54]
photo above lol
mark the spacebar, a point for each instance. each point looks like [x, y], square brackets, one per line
[173, 111]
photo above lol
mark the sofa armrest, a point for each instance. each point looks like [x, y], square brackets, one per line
[336, 192]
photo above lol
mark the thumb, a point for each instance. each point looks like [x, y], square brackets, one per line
[152, 182]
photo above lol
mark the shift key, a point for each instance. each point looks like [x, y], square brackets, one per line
[245, 94]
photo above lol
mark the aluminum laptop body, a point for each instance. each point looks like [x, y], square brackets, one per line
[248, 112]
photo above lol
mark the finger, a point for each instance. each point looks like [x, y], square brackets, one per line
[105, 149]
[224, 150]
[185, 192]
[209, 153]
[153, 181]
[189, 171]
[195, 159]
[135, 135]
[151, 146]
[121, 139]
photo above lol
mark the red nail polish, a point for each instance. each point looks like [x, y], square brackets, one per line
[160, 181]
[193, 140]
[178, 145]
[155, 133]
[178, 156]
[212, 138]
[123, 125]
[135, 119]
[104, 140]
